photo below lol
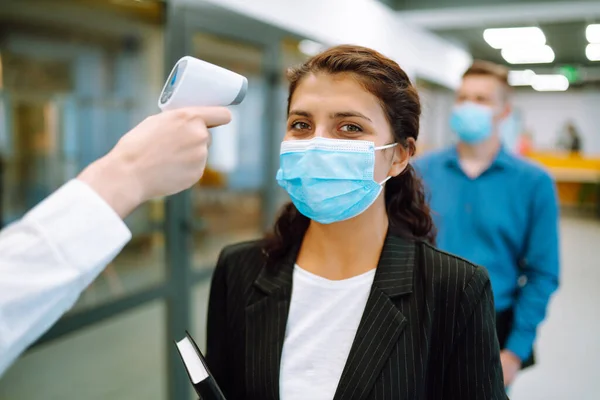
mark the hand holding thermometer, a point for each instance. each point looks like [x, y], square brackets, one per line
[196, 83]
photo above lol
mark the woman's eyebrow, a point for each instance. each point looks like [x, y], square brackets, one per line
[347, 114]
[300, 113]
[336, 115]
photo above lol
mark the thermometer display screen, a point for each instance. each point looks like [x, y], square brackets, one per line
[172, 81]
[174, 77]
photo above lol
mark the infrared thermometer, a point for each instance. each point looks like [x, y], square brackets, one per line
[194, 82]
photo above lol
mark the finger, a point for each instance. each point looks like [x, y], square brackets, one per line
[212, 116]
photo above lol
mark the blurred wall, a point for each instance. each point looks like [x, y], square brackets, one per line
[364, 22]
[146, 66]
[436, 106]
[545, 116]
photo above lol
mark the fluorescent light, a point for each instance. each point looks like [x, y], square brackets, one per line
[521, 78]
[310, 48]
[528, 54]
[550, 83]
[592, 51]
[500, 38]
[592, 33]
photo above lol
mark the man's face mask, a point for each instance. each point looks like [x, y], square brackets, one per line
[473, 123]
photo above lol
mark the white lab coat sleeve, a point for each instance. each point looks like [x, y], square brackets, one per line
[48, 258]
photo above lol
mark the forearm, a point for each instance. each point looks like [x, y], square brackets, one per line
[113, 179]
[541, 268]
[48, 258]
[530, 310]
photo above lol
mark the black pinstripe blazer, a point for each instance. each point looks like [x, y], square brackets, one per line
[427, 331]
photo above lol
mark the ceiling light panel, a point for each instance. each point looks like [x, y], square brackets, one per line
[521, 78]
[528, 54]
[592, 33]
[550, 83]
[499, 38]
[592, 51]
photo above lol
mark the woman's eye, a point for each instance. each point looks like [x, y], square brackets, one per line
[300, 125]
[351, 128]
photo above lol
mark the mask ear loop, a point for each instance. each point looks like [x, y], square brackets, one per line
[387, 146]
[385, 180]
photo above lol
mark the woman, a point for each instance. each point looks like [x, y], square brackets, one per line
[348, 299]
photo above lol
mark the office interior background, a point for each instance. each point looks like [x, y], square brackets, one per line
[75, 75]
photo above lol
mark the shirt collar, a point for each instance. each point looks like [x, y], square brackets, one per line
[503, 159]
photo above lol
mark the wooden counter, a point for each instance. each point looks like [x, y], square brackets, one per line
[577, 177]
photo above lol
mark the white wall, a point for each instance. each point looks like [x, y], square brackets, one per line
[545, 115]
[363, 22]
[436, 106]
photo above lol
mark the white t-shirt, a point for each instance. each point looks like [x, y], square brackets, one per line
[322, 323]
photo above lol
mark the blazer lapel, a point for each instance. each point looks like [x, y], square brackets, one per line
[382, 322]
[266, 319]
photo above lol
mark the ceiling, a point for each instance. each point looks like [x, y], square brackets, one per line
[463, 22]
[405, 5]
[567, 39]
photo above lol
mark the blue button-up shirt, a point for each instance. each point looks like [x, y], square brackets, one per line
[505, 220]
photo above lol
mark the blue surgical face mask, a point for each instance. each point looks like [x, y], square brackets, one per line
[472, 122]
[329, 180]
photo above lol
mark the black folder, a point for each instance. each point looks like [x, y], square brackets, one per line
[204, 383]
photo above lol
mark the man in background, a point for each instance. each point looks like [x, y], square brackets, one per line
[496, 210]
[570, 140]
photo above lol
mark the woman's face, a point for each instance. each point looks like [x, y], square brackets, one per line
[338, 107]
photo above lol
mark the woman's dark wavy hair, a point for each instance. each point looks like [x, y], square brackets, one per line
[407, 208]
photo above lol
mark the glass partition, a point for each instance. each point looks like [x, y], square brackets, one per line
[74, 77]
[227, 202]
[68, 94]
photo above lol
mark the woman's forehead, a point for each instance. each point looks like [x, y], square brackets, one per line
[335, 93]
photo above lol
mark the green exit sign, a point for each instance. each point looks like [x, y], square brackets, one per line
[570, 72]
